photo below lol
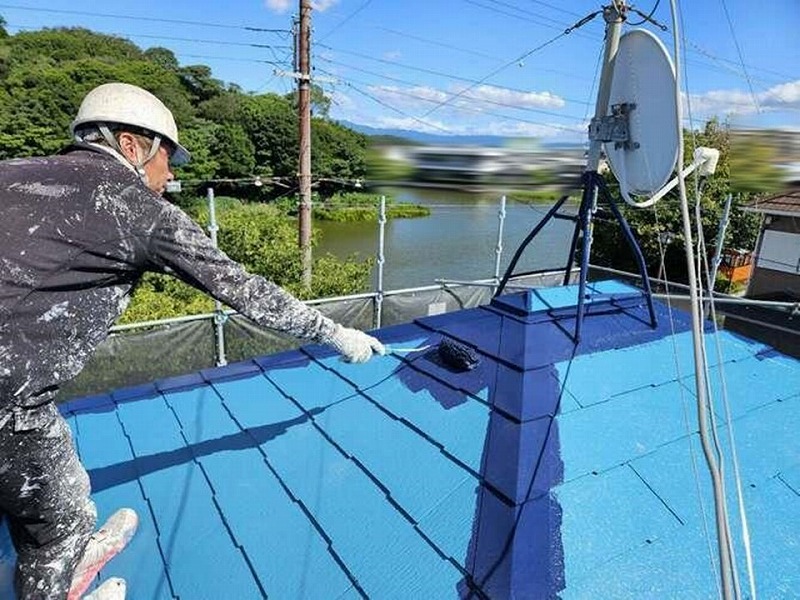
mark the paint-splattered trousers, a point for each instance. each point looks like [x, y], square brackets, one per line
[44, 495]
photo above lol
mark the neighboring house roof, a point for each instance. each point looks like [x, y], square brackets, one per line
[549, 470]
[785, 204]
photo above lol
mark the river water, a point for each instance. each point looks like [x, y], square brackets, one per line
[457, 240]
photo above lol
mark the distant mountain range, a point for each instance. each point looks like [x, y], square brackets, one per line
[419, 137]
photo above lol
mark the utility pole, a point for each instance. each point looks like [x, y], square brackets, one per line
[304, 108]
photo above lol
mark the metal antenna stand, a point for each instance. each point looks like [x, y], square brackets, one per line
[604, 128]
[594, 188]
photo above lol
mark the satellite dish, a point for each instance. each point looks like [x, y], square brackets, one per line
[643, 86]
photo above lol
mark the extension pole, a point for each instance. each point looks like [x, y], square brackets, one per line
[701, 388]
[304, 109]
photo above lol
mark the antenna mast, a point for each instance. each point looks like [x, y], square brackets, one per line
[603, 128]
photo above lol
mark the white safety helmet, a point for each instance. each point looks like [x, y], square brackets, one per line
[125, 104]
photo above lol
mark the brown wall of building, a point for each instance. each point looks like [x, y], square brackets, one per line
[766, 282]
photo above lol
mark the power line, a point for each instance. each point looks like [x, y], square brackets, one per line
[558, 8]
[695, 49]
[432, 72]
[463, 109]
[467, 97]
[148, 19]
[169, 38]
[496, 71]
[438, 43]
[397, 110]
[236, 59]
[739, 52]
[341, 23]
[550, 23]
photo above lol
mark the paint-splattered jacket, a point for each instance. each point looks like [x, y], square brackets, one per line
[77, 231]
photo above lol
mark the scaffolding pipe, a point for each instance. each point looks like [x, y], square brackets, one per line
[723, 226]
[219, 314]
[381, 260]
[498, 250]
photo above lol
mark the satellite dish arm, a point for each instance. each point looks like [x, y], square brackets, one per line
[705, 159]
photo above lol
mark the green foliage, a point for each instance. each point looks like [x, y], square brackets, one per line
[235, 152]
[663, 224]
[320, 103]
[198, 138]
[162, 57]
[536, 196]
[264, 241]
[45, 74]
[338, 152]
[161, 296]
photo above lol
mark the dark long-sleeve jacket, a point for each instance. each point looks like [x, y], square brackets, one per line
[77, 231]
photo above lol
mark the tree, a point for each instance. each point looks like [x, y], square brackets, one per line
[234, 151]
[320, 102]
[197, 80]
[272, 126]
[198, 137]
[162, 57]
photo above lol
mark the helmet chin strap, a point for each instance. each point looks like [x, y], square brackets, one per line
[139, 163]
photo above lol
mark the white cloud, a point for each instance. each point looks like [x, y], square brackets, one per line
[737, 102]
[343, 101]
[504, 96]
[485, 97]
[418, 96]
[409, 123]
[785, 95]
[279, 6]
[323, 5]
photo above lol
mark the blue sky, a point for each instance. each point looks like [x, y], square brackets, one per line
[450, 66]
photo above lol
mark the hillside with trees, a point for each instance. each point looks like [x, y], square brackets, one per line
[231, 134]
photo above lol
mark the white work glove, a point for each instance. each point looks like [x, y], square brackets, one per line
[354, 345]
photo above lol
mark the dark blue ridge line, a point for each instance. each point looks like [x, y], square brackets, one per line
[503, 524]
[287, 490]
[131, 467]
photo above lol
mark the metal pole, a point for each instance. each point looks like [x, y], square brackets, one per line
[614, 16]
[715, 466]
[304, 108]
[381, 261]
[219, 315]
[723, 226]
[498, 250]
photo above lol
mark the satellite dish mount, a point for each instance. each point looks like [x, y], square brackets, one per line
[635, 121]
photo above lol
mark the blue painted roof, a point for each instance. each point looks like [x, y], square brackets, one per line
[549, 470]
